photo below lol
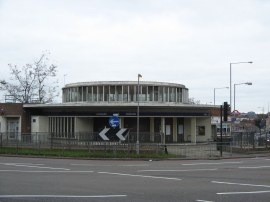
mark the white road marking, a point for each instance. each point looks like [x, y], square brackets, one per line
[221, 163]
[60, 196]
[36, 164]
[254, 167]
[96, 165]
[32, 166]
[78, 164]
[46, 171]
[240, 184]
[203, 201]
[143, 176]
[251, 192]
[135, 165]
[190, 170]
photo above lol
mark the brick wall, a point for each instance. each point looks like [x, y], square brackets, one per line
[16, 110]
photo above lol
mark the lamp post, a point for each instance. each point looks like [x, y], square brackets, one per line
[138, 116]
[234, 63]
[247, 83]
[215, 93]
[65, 79]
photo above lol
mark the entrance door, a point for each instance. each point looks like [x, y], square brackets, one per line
[13, 128]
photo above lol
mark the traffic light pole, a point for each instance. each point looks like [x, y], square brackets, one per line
[221, 130]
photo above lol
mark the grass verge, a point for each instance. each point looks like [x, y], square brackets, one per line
[82, 153]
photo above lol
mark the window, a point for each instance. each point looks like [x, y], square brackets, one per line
[201, 130]
[125, 93]
[106, 93]
[159, 93]
[118, 93]
[100, 93]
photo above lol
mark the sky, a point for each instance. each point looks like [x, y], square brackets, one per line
[189, 42]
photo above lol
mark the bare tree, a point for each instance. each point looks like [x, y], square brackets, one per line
[30, 82]
[193, 101]
[45, 93]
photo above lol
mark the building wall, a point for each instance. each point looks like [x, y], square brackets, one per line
[39, 124]
[187, 129]
[192, 130]
[204, 122]
[15, 110]
[3, 124]
[84, 124]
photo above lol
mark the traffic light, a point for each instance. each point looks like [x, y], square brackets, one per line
[226, 111]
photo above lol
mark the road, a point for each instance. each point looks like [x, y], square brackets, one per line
[42, 179]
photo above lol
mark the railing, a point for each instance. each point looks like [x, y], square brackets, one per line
[239, 143]
[94, 143]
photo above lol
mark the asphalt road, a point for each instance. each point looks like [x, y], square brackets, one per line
[38, 179]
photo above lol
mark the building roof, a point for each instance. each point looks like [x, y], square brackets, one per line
[146, 83]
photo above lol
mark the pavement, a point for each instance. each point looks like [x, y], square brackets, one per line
[45, 179]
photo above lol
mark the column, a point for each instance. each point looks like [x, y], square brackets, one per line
[162, 130]
[193, 130]
[174, 129]
[152, 129]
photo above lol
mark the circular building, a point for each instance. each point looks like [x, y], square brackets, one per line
[125, 92]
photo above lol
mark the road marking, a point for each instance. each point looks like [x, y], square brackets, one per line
[78, 164]
[221, 163]
[46, 171]
[190, 170]
[254, 167]
[240, 184]
[203, 201]
[135, 165]
[129, 165]
[60, 196]
[32, 166]
[251, 192]
[36, 164]
[144, 176]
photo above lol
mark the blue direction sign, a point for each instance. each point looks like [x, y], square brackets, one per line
[114, 121]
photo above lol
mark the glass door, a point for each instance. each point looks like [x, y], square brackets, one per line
[13, 128]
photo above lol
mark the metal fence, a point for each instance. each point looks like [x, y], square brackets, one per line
[238, 143]
[250, 140]
[51, 138]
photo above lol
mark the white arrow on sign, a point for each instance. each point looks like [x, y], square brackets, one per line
[103, 132]
[120, 132]
[114, 123]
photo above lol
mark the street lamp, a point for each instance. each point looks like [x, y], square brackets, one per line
[215, 93]
[65, 79]
[138, 115]
[234, 63]
[247, 83]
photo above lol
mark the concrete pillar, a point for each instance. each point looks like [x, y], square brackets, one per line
[193, 130]
[162, 130]
[122, 122]
[152, 129]
[174, 129]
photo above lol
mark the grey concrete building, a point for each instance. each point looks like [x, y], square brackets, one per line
[165, 114]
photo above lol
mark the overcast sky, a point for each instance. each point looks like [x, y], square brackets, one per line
[190, 42]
